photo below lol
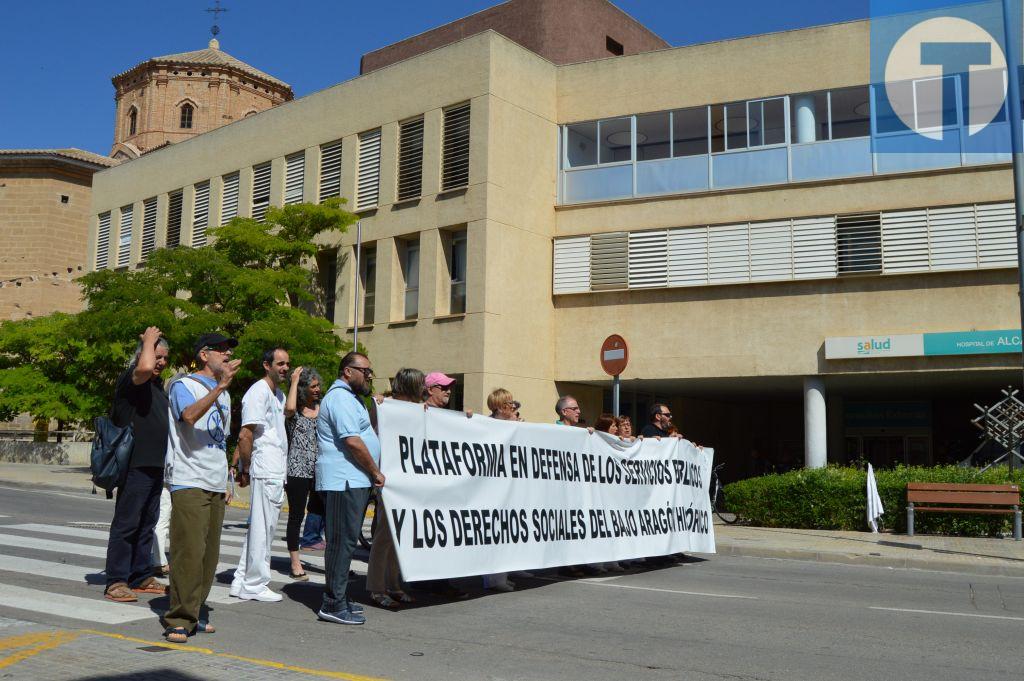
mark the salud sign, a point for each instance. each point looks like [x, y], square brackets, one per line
[614, 355]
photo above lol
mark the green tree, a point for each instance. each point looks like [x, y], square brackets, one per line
[250, 283]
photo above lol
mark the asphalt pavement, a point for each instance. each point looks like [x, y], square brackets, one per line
[711, 617]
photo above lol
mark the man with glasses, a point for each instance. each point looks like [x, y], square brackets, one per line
[660, 424]
[568, 410]
[439, 389]
[347, 466]
[200, 412]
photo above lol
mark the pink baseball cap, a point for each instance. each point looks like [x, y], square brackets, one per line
[437, 378]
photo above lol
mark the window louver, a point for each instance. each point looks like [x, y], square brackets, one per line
[330, 170]
[455, 148]
[609, 261]
[648, 259]
[814, 248]
[148, 226]
[294, 177]
[174, 219]
[229, 199]
[997, 235]
[728, 254]
[572, 265]
[859, 243]
[688, 256]
[124, 237]
[410, 160]
[103, 241]
[771, 250]
[368, 174]
[260, 191]
[201, 215]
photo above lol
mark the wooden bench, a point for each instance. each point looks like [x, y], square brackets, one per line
[936, 497]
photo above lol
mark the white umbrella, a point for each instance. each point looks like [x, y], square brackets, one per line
[875, 509]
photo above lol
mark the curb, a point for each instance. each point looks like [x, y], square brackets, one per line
[870, 561]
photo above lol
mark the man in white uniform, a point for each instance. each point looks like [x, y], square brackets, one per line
[263, 457]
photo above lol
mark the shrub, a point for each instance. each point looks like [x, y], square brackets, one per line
[834, 498]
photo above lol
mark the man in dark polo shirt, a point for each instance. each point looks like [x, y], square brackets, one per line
[139, 399]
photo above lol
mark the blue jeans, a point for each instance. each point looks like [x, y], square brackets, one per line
[344, 520]
[313, 531]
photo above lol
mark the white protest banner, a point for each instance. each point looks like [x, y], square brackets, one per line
[471, 496]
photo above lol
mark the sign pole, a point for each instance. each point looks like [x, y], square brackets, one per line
[615, 396]
[1010, 35]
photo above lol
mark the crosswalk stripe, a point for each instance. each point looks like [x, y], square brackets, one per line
[74, 607]
[36, 543]
[101, 552]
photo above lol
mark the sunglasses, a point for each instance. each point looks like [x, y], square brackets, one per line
[366, 371]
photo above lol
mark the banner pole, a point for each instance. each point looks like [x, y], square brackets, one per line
[359, 274]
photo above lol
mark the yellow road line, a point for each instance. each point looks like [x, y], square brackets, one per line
[251, 660]
[44, 641]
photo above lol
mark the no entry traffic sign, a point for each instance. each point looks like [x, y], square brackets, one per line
[614, 355]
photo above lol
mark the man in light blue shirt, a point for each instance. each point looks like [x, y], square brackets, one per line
[346, 468]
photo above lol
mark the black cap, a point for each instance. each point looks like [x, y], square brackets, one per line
[208, 340]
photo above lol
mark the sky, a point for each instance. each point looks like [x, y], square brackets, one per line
[58, 56]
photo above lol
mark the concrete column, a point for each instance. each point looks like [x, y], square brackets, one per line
[815, 428]
[806, 125]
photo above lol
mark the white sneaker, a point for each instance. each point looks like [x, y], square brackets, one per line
[236, 588]
[265, 596]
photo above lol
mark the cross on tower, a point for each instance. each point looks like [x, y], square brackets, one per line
[216, 10]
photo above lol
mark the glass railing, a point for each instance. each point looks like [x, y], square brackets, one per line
[765, 166]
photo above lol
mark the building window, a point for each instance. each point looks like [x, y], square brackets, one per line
[186, 116]
[260, 190]
[368, 274]
[411, 275]
[103, 241]
[229, 198]
[859, 243]
[328, 267]
[124, 239]
[201, 214]
[133, 119]
[613, 46]
[410, 159]
[148, 226]
[330, 170]
[174, 219]
[457, 271]
[455, 148]
[294, 177]
[368, 170]
[594, 142]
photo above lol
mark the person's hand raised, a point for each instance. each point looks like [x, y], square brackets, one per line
[225, 373]
[150, 336]
[296, 374]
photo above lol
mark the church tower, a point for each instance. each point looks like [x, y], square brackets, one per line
[168, 99]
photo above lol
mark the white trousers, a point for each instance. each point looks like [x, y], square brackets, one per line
[266, 500]
[162, 529]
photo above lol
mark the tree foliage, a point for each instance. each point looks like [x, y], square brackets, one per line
[250, 283]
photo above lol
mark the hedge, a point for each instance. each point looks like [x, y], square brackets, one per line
[834, 498]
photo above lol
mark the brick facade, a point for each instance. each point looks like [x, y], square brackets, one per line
[44, 225]
[219, 88]
[561, 31]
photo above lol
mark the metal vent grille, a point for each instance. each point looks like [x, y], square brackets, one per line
[201, 215]
[330, 170]
[103, 241]
[410, 159]
[174, 219]
[148, 226]
[368, 172]
[455, 148]
[609, 259]
[294, 177]
[229, 199]
[260, 190]
[859, 243]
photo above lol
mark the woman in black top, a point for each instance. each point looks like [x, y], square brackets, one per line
[139, 400]
[301, 411]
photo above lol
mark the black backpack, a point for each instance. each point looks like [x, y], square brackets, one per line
[111, 452]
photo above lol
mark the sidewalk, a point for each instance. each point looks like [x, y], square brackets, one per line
[924, 552]
[44, 653]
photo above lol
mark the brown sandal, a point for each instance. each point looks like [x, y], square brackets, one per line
[120, 593]
[150, 586]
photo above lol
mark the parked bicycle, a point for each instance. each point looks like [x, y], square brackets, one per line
[718, 497]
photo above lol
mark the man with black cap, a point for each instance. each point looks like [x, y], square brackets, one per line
[200, 412]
